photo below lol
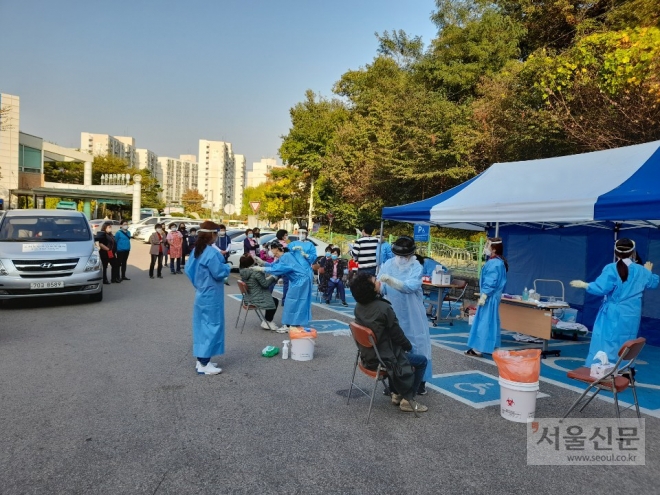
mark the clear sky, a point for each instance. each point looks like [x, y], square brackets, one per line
[169, 73]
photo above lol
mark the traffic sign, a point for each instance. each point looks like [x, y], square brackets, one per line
[229, 209]
[255, 205]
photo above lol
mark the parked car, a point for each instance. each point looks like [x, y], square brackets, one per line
[96, 225]
[237, 247]
[48, 253]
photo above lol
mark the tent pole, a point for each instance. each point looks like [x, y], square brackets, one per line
[497, 229]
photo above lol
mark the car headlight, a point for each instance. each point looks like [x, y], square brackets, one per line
[93, 263]
[3, 270]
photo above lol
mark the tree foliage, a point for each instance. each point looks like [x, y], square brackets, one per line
[503, 80]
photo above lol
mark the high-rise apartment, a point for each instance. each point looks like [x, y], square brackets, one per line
[178, 176]
[148, 160]
[239, 181]
[105, 144]
[216, 173]
[9, 145]
[259, 172]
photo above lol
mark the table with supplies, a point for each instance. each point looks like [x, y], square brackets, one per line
[442, 289]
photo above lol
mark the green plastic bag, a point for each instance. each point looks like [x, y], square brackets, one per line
[270, 351]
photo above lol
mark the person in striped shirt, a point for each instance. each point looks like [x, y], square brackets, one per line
[364, 251]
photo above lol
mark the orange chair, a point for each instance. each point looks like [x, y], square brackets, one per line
[365, 337]
[246, 304]
[616, 381]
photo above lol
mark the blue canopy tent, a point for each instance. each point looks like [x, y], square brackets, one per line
[559, 217]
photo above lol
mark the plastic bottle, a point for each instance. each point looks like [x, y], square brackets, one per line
[525, 295]
[285, 349]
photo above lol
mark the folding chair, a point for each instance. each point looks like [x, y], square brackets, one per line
[616, 381]
[460, 286]
[246, 304]
[365, 337]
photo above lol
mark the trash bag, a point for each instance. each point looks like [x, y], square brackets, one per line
[519, 366]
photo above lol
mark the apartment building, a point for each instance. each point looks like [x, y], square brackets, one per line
[217, 174]
[9, 146]
[239, 181]
[259, 172]
[177, 175]
[148, 160]
[105, 144]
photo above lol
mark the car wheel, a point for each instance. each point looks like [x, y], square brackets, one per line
[96, 297]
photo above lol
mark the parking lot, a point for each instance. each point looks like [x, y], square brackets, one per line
[104, 398]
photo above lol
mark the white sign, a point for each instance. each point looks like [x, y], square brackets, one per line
[43, 246]
[229, 209]
[255, 205]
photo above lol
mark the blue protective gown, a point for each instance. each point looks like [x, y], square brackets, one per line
[485, 333]
[621, 311]
[408, 305]
[207, 275]
[308, 248]
[298, 309]
[384, 252]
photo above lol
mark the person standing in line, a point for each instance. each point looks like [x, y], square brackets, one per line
[175, 241]
[622, 285]
[184, 246]
[384, 251]
[156, 241]
[298, 312]
[364, 251]
[485, 334]
[250, 244]
[108, 253]
[207, 270]
[258, 286]
[223, 243]
[123, 239]
[192, 239]
[401, 281]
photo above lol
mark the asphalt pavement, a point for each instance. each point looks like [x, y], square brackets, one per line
[104, 398]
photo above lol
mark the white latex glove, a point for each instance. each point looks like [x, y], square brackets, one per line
[296, 248]
[396, 284]
[649, 266]
[579, 284]
[259, 261]
[482, 299]
[257, 269]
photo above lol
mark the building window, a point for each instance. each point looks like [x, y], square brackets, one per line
[29, 159]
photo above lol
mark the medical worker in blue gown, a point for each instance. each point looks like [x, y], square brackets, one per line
[207, 271]
[485, 333]
[293, 264]
[401, 282]
[622, 285]
[306, 246]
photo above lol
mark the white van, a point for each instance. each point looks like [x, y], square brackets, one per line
[48, 253]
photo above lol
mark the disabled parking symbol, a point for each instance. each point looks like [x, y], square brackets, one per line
[479, 388]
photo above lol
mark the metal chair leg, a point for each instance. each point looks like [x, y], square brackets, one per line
[350, 389]
[239, 313]
[634, 391]
[373, 392]
[577, 401]
[247, 310]
[590, 398]
[616, 403]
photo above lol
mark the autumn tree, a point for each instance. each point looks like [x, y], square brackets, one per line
[192, 201]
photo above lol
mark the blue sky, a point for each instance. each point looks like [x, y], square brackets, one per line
[170, 73]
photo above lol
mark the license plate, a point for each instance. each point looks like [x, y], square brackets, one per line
[46, 285]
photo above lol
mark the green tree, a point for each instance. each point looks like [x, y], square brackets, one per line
[64, 172]
[192, 201]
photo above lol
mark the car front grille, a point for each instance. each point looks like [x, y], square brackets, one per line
[46, 267]
[52, 290]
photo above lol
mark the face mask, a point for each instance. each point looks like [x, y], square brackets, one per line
[487, 252]
[257, 235]
[160, 231]
[334, 256]
[124, 227]
[222, 233]
[270, 254]
[327, 255]
[402, 261]
[173, 229]
[250, 236]
[303, 237]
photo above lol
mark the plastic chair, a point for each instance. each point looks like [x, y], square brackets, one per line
[246, 304]
[613, 381]
[365, 337]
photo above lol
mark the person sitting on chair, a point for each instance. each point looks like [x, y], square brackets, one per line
[405, 370]
[333, 276]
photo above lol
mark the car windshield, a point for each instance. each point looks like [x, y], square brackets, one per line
[44, 228]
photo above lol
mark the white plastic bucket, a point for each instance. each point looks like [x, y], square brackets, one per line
[518, 400]
[302, 349]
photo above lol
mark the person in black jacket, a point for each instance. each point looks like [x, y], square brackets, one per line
[185, 246]
[108, 253]
[405, 369]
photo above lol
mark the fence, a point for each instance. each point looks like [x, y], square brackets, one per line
[461, 257]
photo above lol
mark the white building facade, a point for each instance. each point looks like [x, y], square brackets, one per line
[105, 144]
[9, 145]
[217, 174]
[178, 176]
[239, 181]
[260, 171]
[148, 160]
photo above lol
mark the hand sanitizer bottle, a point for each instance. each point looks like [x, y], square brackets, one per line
[525, 295]
[285, 349]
